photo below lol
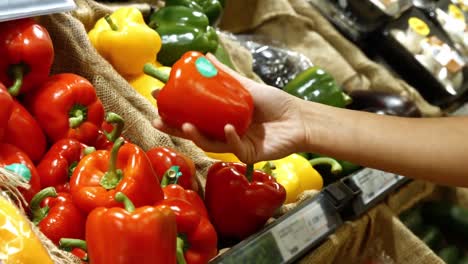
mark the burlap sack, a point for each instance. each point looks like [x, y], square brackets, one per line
[298, 25]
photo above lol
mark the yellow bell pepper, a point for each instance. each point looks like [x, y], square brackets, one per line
[296, 174]
[145, 84]
[226, 157]
[124, 39]
[18, 243]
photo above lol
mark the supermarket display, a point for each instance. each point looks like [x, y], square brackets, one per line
[82, 168]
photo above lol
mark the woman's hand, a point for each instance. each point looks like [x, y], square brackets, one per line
[277, 128]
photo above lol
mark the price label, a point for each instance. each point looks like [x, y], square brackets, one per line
[301, 229]
[16, 9]
[374, 182]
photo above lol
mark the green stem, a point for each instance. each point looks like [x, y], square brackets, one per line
[88, 150]
[112, 177]
[38, 212]
[152, 71]
[72, 168]
[171, 176]
[335, 166]
[249, 172]
[268, 168]
[118, 124]
[122, 198]
[111, 23]
[180, 251]
[17, 73]
[70, 243]
[78, 115]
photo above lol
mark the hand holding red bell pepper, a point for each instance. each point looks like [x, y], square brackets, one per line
[6, 108]
[240, 200]
[57, 216]
[66, 106]
[57, 166]
[124, 236]
[163, 158]
[99, 175]
[199, 93]
[27, 55]
[10, 158]
[197, 236]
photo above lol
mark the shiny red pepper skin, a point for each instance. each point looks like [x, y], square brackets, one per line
[27, 45]
[24, 132]
[209, 103]
[62, 219]
[192, 223]
[6, 108]
[67, 99]
[237, 207]
[10, 154]
[55, 168]
[162, 158]
[146, 235]
[139, 182]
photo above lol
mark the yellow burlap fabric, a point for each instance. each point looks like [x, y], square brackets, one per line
[298, 25]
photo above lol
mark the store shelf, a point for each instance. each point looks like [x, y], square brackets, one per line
[16, 9]
[295, 233]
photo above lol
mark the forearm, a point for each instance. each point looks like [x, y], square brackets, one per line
[434, 149]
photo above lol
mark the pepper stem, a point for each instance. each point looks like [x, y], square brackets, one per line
[268, 168]
[249, 172]
[78, 115]
[38, 212]
[111, 23]
[88, 150]
[180, 251]
[152, 71]
[72, 168]
[118, 124]
[335, 166]
[17, 73]
[122, 198]
[112, 177]
[70, 243]
[171, 176]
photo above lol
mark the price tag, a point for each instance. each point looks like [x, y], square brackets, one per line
[300, 230]
[374, 182]
[16, 9]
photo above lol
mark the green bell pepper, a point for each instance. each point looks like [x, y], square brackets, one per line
[347, 167]
[211, 8]
[182, 29]
[315, 84]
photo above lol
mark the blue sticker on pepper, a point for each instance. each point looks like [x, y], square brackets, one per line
[205, 67]
[20, 169]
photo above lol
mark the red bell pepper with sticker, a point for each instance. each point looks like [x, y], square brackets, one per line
[14, 159]
[145, 235]
[163, 158]
[6, 108]
[25, 132]
[199, 93]
[57, 216]
[239, 199]
[197, 237]
[126, 168]
[58, 164]
[66, 106]
[27, 55]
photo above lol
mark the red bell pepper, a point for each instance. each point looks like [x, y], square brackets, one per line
[199, 93]
[163, 158]
[240, 201]
[57, 166]
[6, 108]
[12, 155]
[197, 236]
[75, 246]
[66, 106]
[57, 216]
[124, 236]
[27, 55]
[24, 132]
[99, 175]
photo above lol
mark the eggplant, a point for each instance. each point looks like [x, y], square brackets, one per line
[384, 103]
